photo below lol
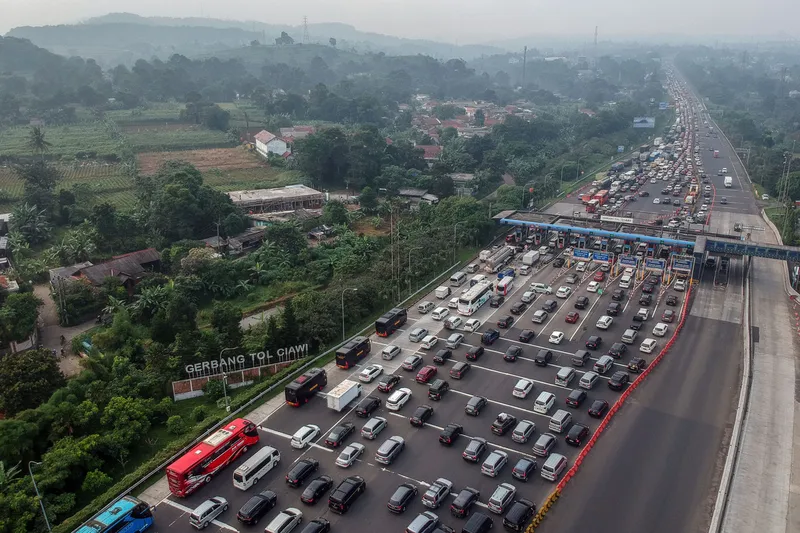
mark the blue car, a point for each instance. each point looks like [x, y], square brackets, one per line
[507, 273]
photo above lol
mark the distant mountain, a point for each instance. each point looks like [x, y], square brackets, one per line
[125, 37]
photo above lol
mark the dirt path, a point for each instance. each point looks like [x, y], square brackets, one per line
[51, 331]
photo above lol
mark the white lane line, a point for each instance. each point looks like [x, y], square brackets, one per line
[508, 405]
[407, 478]
[479, 367]
[289, 437]
[190, 511]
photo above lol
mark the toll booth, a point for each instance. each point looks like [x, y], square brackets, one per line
[561, 240]
[626, 248]
[604, 245]
[651, 251]
[582, 241]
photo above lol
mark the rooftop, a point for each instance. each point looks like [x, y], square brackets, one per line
[292, 191]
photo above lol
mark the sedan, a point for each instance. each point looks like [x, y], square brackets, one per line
[426, 374]
[286, 521]
[349, 455]
[599, 276]
[581, 302]
[522, 388]
[505, 322]
[556, 337]
[648, 288]
[563, 292]
[316, 489]
[402, 498]
[474, 450]
[618, 380]
[338, 434]
[512, 353]
[527, 335]
[388, 382]
[576, 397]
[598, 408]
[412, 362]
[398, 399]
[518, 308]
[301, 471]
[367, 406]
[593, 286]
[672, 300]
[572, 317]
[304, 436]
[523, 431]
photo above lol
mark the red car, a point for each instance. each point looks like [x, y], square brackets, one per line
[425, 375]
[572, 317]
[599, 276]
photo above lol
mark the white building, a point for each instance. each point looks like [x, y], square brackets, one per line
[268, 143]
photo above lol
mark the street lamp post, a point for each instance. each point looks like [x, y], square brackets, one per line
[578, 169]
[561, 180]
[455, 243]
[39, 496]
[344, 291]
[225, 379]
[409, 261]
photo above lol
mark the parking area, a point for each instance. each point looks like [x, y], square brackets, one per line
[424, 459]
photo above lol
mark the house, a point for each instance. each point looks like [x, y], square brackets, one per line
[249, 239]
[463, 183]
[268, 143]
[129, 268]
[432, 153]
[587, 112]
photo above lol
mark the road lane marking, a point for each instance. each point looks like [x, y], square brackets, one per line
[190, 511]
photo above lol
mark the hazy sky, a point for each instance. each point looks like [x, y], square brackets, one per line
[461, 21]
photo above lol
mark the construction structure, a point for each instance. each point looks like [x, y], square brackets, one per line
[289, 198]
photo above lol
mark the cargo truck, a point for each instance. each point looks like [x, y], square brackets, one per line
[728, 182]
[530, 258]
[716, 154]
[342, 394]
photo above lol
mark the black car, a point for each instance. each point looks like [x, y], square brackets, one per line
[475, 353]
[549, 306]
[442, 356]
[645, 299]
[581, 302]
[464, 502]
[459, 370]
[518, 308]
[503, 423]
[497, 300]
[543, 358]
[367, 406]
[474, 450]
[402, 498]
[318, 525]
[617, 350]
[519, 514]
[613, 309]
[637, 364]
[648, 288]
[559, 262]
[346, 494]
[450, 434]
[388, 382]
[527, 335]
[475, 404]
[594, 342]
[421, 415]
[618, 295]
[338, 434]
[505, 322]
[301, 470]
[672, 300]
[512, 353]
[489, 336]
[618, 380]
[256, 507]
[598, 408]
[578, 433]
[524, 469]
[316, 489]
[576, 397]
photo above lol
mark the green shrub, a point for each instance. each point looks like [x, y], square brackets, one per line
[199, 413]
[176, 425]
[214, 389]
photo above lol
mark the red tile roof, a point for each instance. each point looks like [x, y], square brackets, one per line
[264, 136]
[431, 152]
[452, 124]
[587, 112]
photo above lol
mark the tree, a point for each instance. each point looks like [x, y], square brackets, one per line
[480, 118]
[8, 474]
[226, 319]
[290, 328]
[27, 379]
[129, 418]
[284, 39]
[37, 142]
[40, 180]
[18, 317]
[368, 199]
[216, 118]
[96, 482]
[332, 42]
[286, 236]
[334, 213]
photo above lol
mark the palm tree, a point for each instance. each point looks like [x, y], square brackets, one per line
[8, 474]
[151, 300]
[257, 272]
[114, 305]
[37, 142]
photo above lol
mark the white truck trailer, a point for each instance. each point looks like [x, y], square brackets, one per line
[343, 393]
[728, 182]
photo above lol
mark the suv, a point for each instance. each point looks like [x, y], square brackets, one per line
[475, 404]
[489, 336]
[450, 433]
[503, 423]
[437, 389]
[367, 405]
[543, 357]
[464, 501]
[474, 353]
[208, 511]
[256, 507]
[518, 308]
[459, 369]
[389, 450]
[301, 471]
[519, 514]
[474, 450]
[581, 302]
[348, 491]
[437, 493]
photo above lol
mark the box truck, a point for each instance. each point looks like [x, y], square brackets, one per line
[343, 393]
[728, 182]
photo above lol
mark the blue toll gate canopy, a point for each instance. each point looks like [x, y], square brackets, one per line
[601, 233]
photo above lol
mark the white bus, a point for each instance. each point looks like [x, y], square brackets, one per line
[505, 285]
[256, 467]
[473, 299]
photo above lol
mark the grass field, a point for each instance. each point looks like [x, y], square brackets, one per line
[65, 140]
[157, 139]
[152, 112]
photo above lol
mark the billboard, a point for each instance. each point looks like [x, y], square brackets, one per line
[621, 220]
[682, 264]
[620, 149]
[579, 254]
[655, 264]
[600, 257]
[662, 106]
[628, 261]
[644, 122]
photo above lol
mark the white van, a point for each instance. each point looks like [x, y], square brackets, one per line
[477, 278]
[553, 467]
[471, 268]
[457, 279]
[442, 292]
[440, 313]
[425, 307]
[625, 281]
[565, 376]
[541, 287]
[544, 402]
[256, 467]
[560, 421]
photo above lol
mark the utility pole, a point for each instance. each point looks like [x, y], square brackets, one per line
[524, 64]
[305, 30]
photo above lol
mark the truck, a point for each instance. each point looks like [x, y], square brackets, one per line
[342, 394]
[728, 182]
[716, 154]
[484, 255]
[498, 259]
[530, 258]
[601, 197]
[644, 149]
[643, 156]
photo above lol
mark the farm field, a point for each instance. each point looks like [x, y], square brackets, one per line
[65, 140]
[156, 138]
[153, 112]
[222, 158]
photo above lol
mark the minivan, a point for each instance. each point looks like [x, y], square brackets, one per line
[544, 402]
[518, 516]
[440, 313]
[478, 523]
[588, 380]
[629, 336]
[458, 279]
[417, 334]
[565, 376]
[261, 462]
[603, 364]
[553, 467]
[580, 357]
[560, 421]
[471, 268]
[208, 511]
[425, 307]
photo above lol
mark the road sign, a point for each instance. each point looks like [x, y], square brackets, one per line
[662, 105]
[620, 149]
[600, 257]
[655, 264]
[578, 253]
[621, 220]
[682, 264]
[629, 261]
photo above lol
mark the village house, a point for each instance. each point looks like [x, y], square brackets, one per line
[129, 268]
[268, 143]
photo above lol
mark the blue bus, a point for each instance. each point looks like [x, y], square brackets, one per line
[126, 515]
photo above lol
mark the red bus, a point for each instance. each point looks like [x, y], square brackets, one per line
[208, 457]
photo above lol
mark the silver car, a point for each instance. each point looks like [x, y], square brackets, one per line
[207, 511]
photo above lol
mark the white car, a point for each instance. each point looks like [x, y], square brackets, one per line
[350, 454]
[453, 303]
[398, 399]
[563, 292]
[656, 200]
[440, 313]
[453, 322]
[653, 180]
[604, 322]
[593, 286]
[581, 266]
[528, 296]
[765, 197]
[680, 285]
[304, 435]
[370, 372]
[648, 345]
[522, 388]
[660, 329]
[472, 325]
[390, 352]
[429, 342]
[556, 337]
[285, 522]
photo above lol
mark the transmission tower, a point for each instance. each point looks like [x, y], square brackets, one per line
[305, 30]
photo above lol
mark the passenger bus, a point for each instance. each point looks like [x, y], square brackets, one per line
[354, 351]
[473, 299]
[391, 321]
[504, 286]
[127, 514]
[299, 391]
[208, 457]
